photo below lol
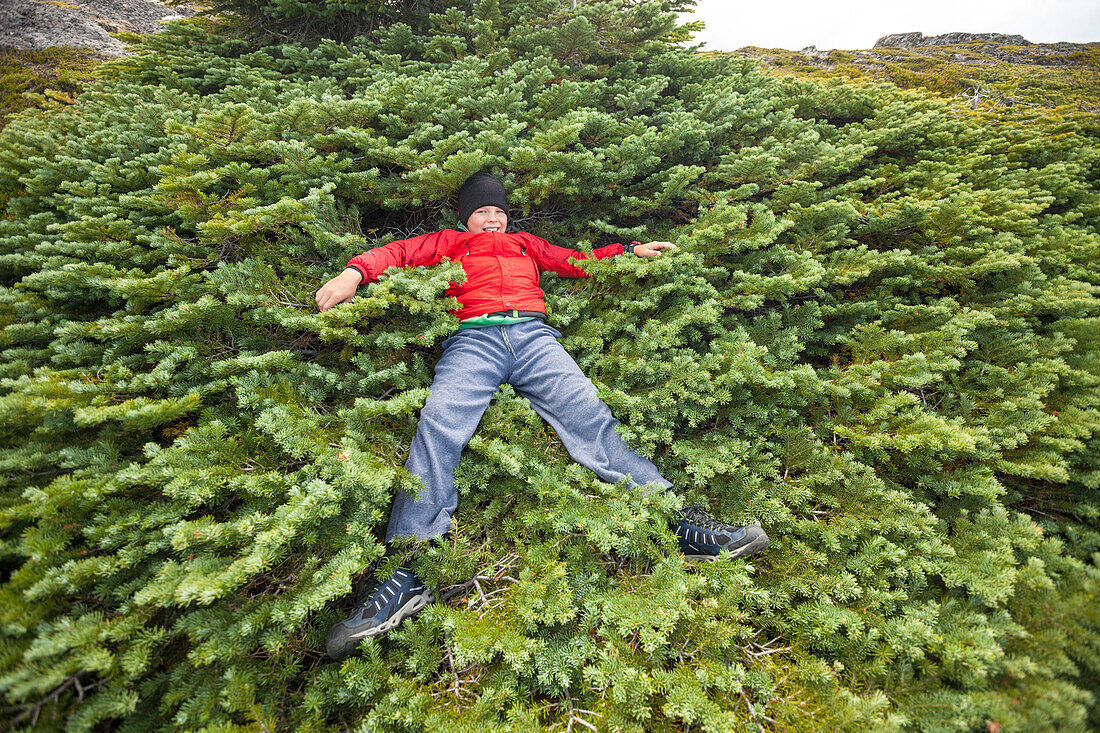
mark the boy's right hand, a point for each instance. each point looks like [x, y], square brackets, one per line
[339, 289]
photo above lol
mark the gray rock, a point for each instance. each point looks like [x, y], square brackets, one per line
[917, 39]
[813, 53]
[35, 24]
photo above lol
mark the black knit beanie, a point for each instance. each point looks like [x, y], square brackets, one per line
[481, 189]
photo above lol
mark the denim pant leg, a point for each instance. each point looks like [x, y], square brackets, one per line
[558, 391]
[474, 364]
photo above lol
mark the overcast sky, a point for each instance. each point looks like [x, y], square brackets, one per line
[852, 24]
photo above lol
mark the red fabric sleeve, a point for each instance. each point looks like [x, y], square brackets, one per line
[426, 249]
[556, 259]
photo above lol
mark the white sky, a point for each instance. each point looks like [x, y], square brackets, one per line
[854, 24]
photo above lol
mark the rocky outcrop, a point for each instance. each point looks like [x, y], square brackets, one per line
[990, 46]
[33, 24]
[915, 40]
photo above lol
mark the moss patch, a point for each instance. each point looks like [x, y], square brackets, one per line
[61, 69]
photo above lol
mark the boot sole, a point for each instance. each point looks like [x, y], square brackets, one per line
[756, 545]
[340, 646]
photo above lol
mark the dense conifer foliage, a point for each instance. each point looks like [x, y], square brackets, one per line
[878, 337]
[309, 20]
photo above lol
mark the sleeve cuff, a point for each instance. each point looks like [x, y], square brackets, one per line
[362, 274]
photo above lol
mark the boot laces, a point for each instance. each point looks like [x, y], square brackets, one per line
[695, 515]
[372, 594]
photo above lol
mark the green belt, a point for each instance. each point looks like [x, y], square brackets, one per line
[502, 318]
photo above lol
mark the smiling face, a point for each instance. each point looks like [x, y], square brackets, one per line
[487, 219]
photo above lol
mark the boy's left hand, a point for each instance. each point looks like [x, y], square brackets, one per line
[652, 249]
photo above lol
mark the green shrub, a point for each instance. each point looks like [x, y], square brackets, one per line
[878, 337]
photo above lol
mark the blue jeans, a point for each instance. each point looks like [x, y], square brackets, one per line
[475, 362]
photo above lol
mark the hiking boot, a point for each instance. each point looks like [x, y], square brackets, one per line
[392, 602]
[703, 537]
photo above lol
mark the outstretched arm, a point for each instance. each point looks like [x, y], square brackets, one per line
[556, 259]
[425, 249]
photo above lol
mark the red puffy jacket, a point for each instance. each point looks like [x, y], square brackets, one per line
[502, 270]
